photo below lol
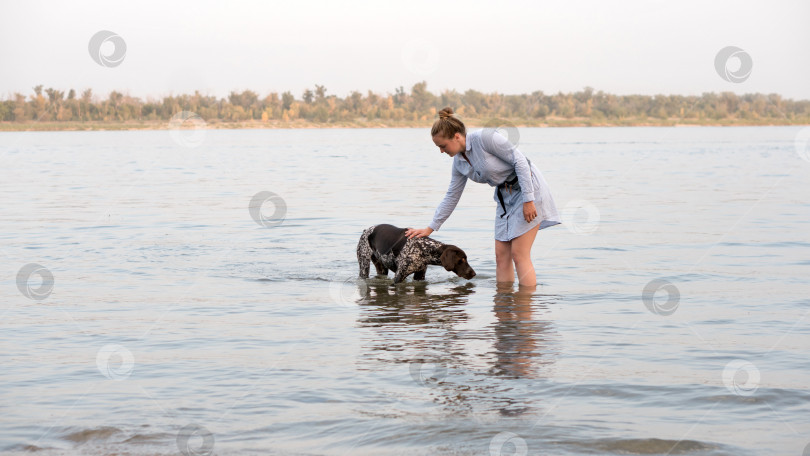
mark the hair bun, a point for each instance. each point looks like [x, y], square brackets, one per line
[447, 125]
[445, 113]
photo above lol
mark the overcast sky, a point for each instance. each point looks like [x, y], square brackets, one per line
[622, 47]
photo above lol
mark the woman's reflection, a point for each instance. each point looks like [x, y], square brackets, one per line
[521, 339]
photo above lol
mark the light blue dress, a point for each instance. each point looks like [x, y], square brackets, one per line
[495, 160]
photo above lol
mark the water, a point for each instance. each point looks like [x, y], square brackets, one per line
[176, 324]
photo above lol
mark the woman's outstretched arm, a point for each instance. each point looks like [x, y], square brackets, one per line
[457, 183]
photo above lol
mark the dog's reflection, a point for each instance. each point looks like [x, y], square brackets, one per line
[411, 303]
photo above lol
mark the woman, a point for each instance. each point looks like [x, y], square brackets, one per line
[486, 156]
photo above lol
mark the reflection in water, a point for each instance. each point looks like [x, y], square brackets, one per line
[387, 304]
[470, 369]
[521, 345]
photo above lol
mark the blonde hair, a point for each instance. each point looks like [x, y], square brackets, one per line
[447, 125]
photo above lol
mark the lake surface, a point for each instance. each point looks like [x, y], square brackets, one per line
[670, 316]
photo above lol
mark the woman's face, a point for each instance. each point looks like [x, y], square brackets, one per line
[450, 146]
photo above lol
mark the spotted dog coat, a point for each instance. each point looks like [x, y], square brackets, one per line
[388, 248]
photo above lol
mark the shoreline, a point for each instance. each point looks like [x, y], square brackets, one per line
[364, 123]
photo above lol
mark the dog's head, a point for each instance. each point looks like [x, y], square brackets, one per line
[454, 259]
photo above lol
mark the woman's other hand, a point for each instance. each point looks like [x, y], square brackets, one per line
[529, 211]
[411, 233]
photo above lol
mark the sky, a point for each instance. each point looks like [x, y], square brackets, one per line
[644, 47]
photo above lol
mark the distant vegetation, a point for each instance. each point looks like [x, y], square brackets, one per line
[52, 109]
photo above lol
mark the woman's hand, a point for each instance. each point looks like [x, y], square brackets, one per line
[529, 211]
[411, 233]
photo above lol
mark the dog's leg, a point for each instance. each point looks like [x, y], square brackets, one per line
[420, 274]
[403, 271]
[381, 270]
[364, 255]
[399, 276]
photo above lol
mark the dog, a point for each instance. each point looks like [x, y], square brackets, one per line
[388, 248]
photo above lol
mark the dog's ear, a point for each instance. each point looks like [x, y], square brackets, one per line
[449, 258]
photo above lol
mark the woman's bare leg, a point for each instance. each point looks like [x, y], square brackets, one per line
[504, 272]
[522, 256]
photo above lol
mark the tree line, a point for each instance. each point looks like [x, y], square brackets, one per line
[417, 104]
